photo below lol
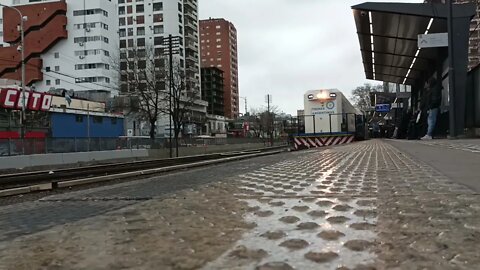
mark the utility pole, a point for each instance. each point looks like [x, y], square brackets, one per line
[170, 57]
[173, 42]
[22, 50]
[269, 119]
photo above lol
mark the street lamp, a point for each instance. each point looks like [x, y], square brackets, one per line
[22, 49]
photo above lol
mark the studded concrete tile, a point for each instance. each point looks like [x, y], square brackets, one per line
[337, 209]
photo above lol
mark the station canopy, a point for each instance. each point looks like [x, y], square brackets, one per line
[388, 35]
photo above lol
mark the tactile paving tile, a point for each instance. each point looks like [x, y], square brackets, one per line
[324, 209]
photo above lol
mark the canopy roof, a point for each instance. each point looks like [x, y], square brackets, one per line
[388, 35]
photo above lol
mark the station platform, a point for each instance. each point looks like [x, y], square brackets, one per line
[378, 204]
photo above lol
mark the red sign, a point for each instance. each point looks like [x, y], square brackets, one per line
[34, 101]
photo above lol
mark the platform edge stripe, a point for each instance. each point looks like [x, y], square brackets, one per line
[317, 141]
[312, 143]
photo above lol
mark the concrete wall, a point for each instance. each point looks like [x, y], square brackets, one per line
[18, 162]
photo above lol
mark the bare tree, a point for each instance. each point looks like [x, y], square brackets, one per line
[181, 98]
[361, 96]
[152, 90]
[142, 82]
[264, 125]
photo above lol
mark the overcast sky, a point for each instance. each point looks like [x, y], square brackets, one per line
[287, 47]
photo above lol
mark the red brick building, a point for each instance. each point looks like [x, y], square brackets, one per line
[218, 48]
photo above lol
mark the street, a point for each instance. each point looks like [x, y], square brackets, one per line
[377, 204]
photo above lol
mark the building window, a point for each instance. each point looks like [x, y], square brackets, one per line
[218, 27]
[57, 68]
[140, 31]
[158, 40]
[97, 119]
[158, 18]
[140, 9]
[57, 55]
[57, 82]
[158, 29]
[157, 6]
[47, 82]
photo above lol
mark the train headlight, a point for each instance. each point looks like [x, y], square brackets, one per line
[322, 95]
[310, 97]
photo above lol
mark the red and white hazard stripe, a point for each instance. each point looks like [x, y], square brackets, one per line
[309, 142]
[350, 139]
[304, 142]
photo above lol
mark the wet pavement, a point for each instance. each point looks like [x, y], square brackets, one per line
[366, 205]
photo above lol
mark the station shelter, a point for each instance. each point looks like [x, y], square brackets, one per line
[391, 52]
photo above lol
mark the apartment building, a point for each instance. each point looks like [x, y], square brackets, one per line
[218, 43]
[76, 58]
[144, 26]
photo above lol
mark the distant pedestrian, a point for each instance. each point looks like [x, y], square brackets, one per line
[434, 100]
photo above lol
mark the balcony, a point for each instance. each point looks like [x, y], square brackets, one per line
[190, 5]
[190, 24]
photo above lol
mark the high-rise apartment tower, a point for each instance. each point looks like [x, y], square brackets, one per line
[218, 43]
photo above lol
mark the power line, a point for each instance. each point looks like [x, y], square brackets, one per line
[63, 74]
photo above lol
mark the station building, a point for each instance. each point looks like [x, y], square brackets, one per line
[53, 116]
[396, 48]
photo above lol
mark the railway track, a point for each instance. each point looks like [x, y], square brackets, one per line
[20, 183]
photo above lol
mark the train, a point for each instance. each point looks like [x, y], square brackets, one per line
[329, 112]
[329, 119]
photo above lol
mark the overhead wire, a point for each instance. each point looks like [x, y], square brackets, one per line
[65, 75]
